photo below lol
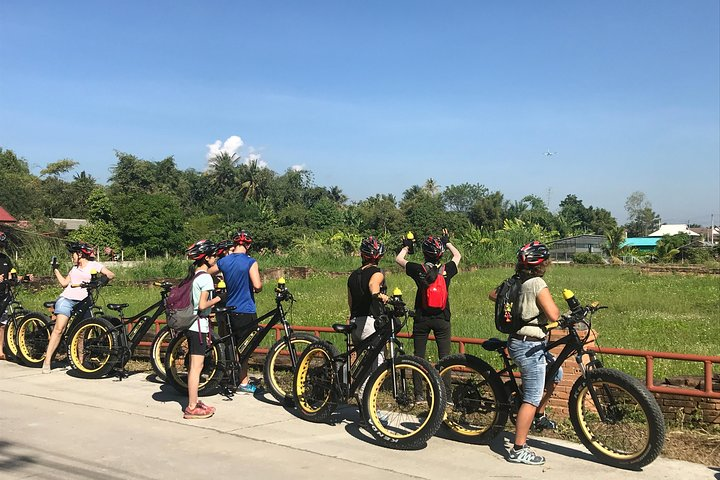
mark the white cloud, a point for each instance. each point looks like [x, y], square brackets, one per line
[229, 146]
[254, 156]
[298, 168]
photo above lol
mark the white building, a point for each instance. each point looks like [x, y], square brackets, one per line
[673, 230]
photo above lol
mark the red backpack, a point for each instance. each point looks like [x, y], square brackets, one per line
[435, 295]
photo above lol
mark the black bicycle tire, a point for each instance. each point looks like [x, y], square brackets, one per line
[322, 413]
[419, 438]
[23, 341]
[209, 387]
[157, 353]
[105, 330]
[499, 407]
[271, 361]
[650, 408]
[10, 341]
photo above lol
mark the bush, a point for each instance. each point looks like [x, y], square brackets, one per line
[587, 259]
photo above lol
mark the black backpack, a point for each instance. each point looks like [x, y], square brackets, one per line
[508, 317]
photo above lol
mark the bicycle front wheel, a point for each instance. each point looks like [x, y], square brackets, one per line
[625, 427]
[477, 405]
[11, 347]
[404, 407]
[177, 365]
[278, 371]
[158, 350]
[314, 382]
[33, 335]
[92, 348]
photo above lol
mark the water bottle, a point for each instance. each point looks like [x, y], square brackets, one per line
[53, 264]
[572, 302]
[409, 242]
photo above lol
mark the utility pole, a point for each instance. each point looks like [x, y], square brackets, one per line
[712, 230]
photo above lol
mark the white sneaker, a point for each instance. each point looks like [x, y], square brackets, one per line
[525, 455]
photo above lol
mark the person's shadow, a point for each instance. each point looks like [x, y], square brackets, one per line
[168, 394]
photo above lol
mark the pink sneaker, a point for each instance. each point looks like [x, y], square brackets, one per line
[206, 407]
[200, 411]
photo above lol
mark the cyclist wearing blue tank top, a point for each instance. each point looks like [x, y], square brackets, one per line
[242, 279]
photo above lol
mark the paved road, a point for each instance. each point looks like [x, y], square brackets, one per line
[59, 427]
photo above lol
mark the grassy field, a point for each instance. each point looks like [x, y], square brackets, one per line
[675, 313]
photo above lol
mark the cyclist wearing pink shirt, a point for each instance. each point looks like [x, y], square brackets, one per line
[83, 268]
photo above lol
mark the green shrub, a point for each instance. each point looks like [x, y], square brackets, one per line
[586, 258]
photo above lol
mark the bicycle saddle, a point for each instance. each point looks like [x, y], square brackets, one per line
[346, 328]
[223, 309]
[117, 306]
[50, 304]
[494, 344]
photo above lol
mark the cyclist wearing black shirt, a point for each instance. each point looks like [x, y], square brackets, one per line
[5, 268]
[366, 290]
[428, 319]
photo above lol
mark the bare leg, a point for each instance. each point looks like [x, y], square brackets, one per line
[546, 397]
[2, 342]
[60, 324]
[524, 420]
[193, 380]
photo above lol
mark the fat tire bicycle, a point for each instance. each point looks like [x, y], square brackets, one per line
[613, 414]
[100, 345]
[33, 331]
[403, 399]
[14, 311]
[224, 357]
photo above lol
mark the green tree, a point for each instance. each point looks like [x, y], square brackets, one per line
[574, 212]
[20, 192]
[461, 198]
[614, 239]
[132, 175]
[55, 169]
[100, 234]
[325, 214]
[601, 220]
[153, 222]
[488, 212]
[99, 207]
[642, 219]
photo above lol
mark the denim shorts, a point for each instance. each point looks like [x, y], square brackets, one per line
[64, 306]
[532, 359]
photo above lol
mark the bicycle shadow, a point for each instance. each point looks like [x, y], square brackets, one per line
[168, 394]
[502, 443]
[716, 469]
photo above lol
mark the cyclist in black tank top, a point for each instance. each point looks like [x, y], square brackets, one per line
[366, 290]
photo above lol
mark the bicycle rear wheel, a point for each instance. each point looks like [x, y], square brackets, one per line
[33, 335]
[407, 419]
[92, 348]
[177, 364]
[278, 371]
[11, 347]
[314, 389]
[158, 351]
[625, 428]
[477, 404]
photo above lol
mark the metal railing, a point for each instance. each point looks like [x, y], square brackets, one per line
[649, 357]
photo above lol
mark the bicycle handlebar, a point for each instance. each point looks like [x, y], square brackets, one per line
[573, 318]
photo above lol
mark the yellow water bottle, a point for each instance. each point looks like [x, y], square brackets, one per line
[572, 302]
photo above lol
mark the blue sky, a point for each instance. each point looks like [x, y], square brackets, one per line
[376, 96]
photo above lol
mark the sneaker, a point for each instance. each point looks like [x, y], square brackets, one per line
[248, 388]
[206, 407]
[525, 455]
[200, 411]
[542, 422]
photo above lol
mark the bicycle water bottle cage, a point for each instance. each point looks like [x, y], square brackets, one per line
[344, 328]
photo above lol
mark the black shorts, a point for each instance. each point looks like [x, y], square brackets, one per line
[198, 342]
[241, 323]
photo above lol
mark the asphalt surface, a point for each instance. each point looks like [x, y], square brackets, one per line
[60, 427]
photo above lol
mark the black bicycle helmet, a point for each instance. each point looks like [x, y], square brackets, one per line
[81, 248]
[243, 238]
[3, 238]
[534, 253]
[371, 249]
[200, 250]
[433, 248]
[223, 247]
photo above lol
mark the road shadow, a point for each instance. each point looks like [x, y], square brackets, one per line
[168, 394]
[716, 469]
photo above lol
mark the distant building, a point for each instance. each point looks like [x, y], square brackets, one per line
[69, 224]
[642, 244]
[565, 248]
[708, 234]
[673, 230]
[5, 217]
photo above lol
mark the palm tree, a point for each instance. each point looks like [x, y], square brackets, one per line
[250, 172]
[431, 187]
[223, 171]
[615, 238]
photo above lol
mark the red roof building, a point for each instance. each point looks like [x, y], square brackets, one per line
[5, 217]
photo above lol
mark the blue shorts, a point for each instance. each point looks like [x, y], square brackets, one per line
[532, 359]
[64, 306]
